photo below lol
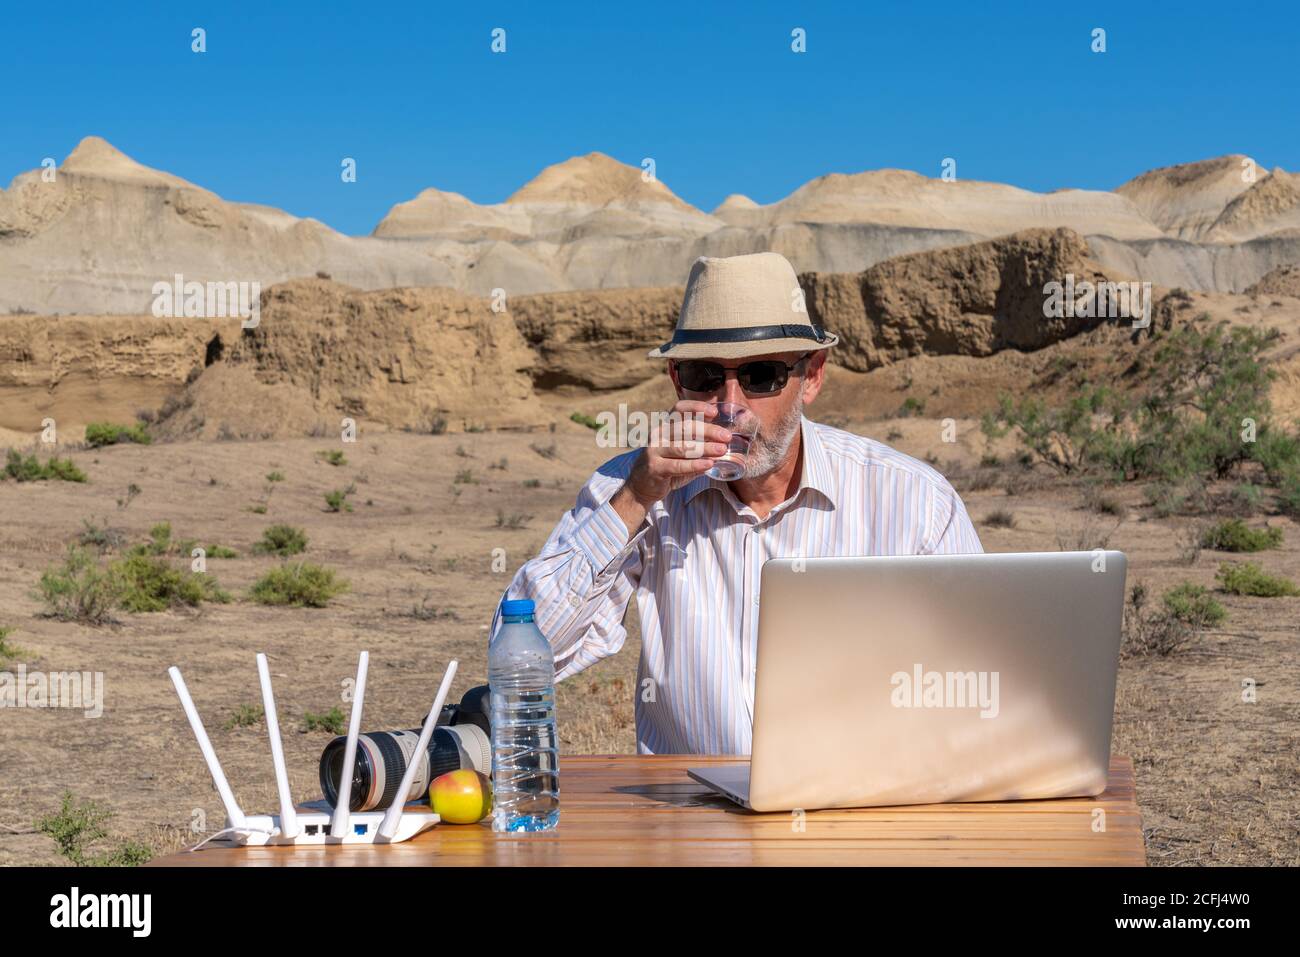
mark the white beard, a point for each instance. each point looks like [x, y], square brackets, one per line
[767, 452]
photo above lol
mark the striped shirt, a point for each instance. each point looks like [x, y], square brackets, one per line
[694, 566]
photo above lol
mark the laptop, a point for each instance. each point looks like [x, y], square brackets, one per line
[931, 679]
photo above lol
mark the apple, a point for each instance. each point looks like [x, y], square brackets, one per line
[461, 797]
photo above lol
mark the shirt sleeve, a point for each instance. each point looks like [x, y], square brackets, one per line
[584, 576]
[952, 532]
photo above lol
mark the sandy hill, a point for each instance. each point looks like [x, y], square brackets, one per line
[902, 198]
[592, 196]
[96, 157]
[1186, 200]
[1282, 281]
[434, 213]
[1270, 206]
[595, 180]
[1224, 200]
[735, 201]
[97, 238]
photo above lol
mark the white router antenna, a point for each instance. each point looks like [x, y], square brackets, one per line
[233, 812]
[394, 814]
[339, 823]
[288, 817]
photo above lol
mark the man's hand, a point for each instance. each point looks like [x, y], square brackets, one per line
[679, 450]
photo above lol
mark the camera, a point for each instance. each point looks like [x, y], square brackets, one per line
[462, 738]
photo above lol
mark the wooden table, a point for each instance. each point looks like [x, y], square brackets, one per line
[643, 809]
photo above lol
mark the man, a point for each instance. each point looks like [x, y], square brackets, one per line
[651, 523]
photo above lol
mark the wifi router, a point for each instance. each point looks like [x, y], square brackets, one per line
[315, 827]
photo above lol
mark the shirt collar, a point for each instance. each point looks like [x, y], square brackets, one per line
[816, 473]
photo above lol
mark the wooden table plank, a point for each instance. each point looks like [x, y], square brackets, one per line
[644, 810]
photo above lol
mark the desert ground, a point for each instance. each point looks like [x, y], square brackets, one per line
[1216, 776]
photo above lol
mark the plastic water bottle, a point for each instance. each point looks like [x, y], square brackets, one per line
[525, 755]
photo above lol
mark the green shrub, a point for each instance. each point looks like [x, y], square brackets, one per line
[513, 520]
[1067, 439]
[23, 469]
[63, 470]
[1000, 518]
[1170, 499]
[532, 483]
[160, 540]
[1278, 452]
[1103, 504]
[281, 540]
[331, 721]
[99, 434]
[151, 583]
[79, 589]
[245, 716]
[1247, 498]
[298, 584]
[8, 651]
[220, 551]
[161, 543]
[275, 476]
[332, 456]
[1247, 578]
[337, 500]
[1151, 633]
[1288, 495]
[78, 826]
[132, 490]
[1201, 381]
[911, 406]
[1233, 535]
[465, 477]
[28, 469]
[1194, 604]
[586, 420]
[103, 538]
[424, 611]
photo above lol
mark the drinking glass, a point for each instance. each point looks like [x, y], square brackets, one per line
[743, 425]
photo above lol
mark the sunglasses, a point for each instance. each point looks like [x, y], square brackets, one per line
[761, 377]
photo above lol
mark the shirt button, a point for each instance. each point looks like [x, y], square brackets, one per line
[573, 600]
[755, 599]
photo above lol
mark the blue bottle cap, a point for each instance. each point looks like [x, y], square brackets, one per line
[518, 606]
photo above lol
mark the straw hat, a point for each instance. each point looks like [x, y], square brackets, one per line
[738, 306]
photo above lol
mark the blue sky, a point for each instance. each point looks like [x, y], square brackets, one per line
[710, 90]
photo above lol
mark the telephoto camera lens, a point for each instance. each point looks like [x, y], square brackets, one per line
[382, 756]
